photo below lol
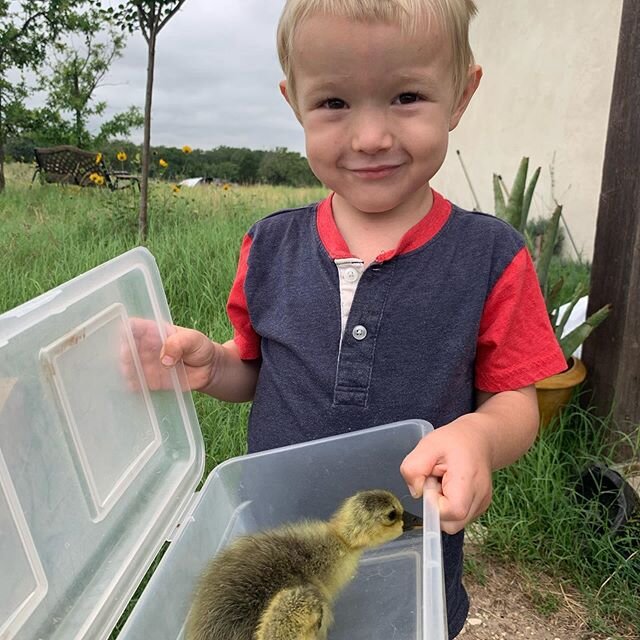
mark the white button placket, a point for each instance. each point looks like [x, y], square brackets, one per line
[350, 271]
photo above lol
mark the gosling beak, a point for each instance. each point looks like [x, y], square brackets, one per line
[409, 521]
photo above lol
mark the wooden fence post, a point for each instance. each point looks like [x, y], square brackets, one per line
[612, 353]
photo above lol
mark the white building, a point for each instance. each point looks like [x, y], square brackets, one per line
[548, 75]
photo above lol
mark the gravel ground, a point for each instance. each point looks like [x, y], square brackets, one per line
[503, 606]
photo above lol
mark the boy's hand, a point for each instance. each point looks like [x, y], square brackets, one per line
[458, 455]
[197, 352]
[463, 453]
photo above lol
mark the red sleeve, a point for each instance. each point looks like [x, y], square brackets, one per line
[516, 344]
[244, 335]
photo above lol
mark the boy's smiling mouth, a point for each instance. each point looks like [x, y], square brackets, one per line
[375, 172]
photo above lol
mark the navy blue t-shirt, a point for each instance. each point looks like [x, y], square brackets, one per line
[454, 308]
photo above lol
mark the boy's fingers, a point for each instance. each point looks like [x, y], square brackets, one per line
[459, 505]
[179, 346]
[190, 346]
[418, 466]
[172, 351]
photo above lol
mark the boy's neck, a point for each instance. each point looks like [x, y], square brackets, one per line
[368, 234]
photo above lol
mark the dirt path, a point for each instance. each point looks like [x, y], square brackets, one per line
[504, 605]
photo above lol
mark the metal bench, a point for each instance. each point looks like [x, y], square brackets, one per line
[66, 164]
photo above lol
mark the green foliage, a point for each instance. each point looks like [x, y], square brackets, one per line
[225, 164]
[150, 16]
[536, 519]
[73, 79]
[285, 167]
[28, 29]
[516, 209]
[41, 127]
[119, 125]
[516, 212]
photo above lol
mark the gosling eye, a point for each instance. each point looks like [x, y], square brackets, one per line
[392, 515]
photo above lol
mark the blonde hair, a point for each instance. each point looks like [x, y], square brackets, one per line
[410, 15]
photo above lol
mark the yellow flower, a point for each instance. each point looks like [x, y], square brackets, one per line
[226, 186]
[163, 163]
[121, 155]
[99, 180]
[94, 176]
[98, 158]
[187, 149]
[175, 188]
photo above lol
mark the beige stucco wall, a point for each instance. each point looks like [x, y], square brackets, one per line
[546, 90]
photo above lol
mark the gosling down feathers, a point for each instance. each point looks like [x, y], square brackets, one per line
[280, 584]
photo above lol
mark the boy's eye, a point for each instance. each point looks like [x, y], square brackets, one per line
[334, 103]
[408, 98]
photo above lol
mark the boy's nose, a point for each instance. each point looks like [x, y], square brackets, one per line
[371, 133]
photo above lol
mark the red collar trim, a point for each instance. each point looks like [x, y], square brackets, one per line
[414, 238]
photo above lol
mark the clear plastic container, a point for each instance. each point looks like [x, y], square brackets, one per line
[97, 471]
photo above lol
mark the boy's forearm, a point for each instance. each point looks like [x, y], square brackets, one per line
[233, 379]
[509, 421]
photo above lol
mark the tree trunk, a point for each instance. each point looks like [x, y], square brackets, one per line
[76, 94]
[2, 142]
[78, 127]
[143, 224]
[2, 181]
[612, 353]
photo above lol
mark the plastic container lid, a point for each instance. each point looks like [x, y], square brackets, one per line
[95, 470]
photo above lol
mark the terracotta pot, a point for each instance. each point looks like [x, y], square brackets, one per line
[555, 392]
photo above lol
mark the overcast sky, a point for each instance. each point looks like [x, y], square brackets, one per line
[216, 78]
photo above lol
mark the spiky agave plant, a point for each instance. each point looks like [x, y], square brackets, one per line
[515, 211]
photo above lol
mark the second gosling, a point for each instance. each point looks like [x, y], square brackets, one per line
[280, 584]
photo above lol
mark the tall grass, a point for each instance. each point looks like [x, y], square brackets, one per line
[50, 234]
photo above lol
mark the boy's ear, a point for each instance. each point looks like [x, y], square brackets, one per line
[473, 80]
[283, 90]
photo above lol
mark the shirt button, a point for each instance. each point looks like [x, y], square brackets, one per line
[359, 332]
[351, 275]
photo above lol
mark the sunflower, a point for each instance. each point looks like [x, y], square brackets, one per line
[187, 149]
[98, 158]
[175, 188]
[99, 180]
[163, 163]
[94, 176]
[226, 186]
[121, 155]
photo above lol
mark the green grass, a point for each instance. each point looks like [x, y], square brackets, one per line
[51, 234]
[536, 520]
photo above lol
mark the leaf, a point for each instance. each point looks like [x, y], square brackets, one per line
[513, 211]
[552, 295]
[580, 291]
[548, 243]
[526, 202]
[498, 197]
[575, 338]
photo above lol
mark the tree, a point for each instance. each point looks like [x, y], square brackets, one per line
[27, 29]
[287, 168]
[74, 79]
[150, 17]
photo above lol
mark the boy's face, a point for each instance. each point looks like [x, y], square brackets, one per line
[377, 106]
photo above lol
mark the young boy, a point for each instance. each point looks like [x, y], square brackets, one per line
[384, 302]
